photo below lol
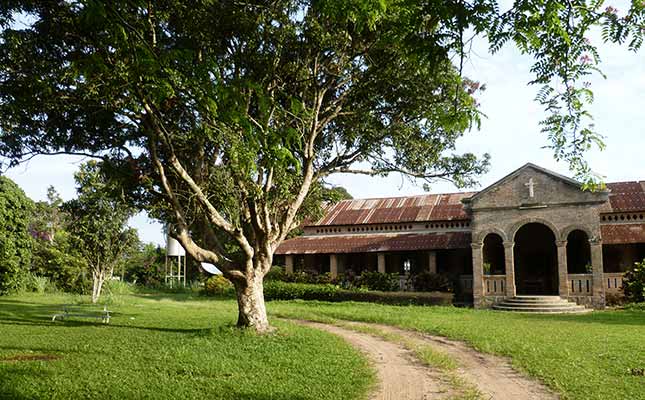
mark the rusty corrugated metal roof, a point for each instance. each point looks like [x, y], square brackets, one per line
[374, 243]
[624, 197]
[429, 207]
[623, 233]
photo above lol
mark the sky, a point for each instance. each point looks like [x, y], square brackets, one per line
[510, 132]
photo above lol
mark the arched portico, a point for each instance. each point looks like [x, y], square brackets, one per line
[536, 260]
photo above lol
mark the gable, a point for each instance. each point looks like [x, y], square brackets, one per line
[533, 187]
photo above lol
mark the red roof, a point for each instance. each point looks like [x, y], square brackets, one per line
[429, 207]
[623, 233]
[627, 196]
[374, 243]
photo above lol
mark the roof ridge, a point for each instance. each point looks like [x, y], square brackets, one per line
[408, 196]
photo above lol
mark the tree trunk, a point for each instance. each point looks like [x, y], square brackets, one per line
[98, 277]
[252, 312]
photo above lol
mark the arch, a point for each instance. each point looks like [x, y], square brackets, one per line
[536, 259]
[479, 237]
[493, 254]
[578, 252]
[519, 224]
[564, 233]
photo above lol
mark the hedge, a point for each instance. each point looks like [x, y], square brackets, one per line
[275, 290]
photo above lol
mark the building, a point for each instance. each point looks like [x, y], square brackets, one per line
[534, 232]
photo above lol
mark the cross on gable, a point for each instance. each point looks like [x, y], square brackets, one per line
[531, 185]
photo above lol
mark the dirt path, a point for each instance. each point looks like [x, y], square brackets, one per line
[402, 377]
[493, 375]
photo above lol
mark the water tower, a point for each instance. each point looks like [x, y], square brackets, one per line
[175, 263]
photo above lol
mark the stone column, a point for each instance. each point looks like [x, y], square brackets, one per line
[563, 272]
[381, 263]
[333, 265]
[509, 267]
[598, 287]
[478, 275]
[288, 263]
[432, 262]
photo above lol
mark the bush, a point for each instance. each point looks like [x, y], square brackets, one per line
[379, 281]
[276, 273]
[634, 283]
[217, 285]
[291, 291]
[15, 240]
[118, 287]
[429, 282]
[38, 284]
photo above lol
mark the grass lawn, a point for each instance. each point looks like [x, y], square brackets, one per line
[168, 348]
[580, 356]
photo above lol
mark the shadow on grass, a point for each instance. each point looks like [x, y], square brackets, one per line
[13, 312]
[180, 296]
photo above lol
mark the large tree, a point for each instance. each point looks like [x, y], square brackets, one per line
[224, 118]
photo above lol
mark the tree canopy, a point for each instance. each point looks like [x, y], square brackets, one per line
[224, 118]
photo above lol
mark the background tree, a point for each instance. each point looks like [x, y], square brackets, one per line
[98, 224]
[220, 118]
[15, 240]
[147, 266]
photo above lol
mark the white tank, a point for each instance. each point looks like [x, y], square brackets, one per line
[173, 248]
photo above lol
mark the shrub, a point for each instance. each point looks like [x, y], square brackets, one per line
[304, 291]
[379, 281]
[634, 283]
[276, 273]
[118, 287]
[38, 284]
[429, 282]
[217, 285]
[291, 291]
[15, 240]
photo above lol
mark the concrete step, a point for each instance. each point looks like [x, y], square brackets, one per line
[544, 310]
[522, 301]
[540, 304]
[545, 305]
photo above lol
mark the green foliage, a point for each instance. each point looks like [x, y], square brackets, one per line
[378, 281]
[429, 282]
[217, 285]
[634, 283]
[276, 273]
[98, 223]
[61, 262]
[15, 240]
[274, 290]
[38, 284]
[117, 287]
[146, 265]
